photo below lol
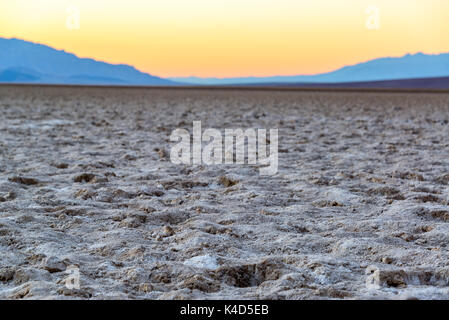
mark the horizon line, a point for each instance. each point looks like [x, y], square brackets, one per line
[223, 78]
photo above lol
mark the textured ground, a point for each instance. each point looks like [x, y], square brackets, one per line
[361, 196]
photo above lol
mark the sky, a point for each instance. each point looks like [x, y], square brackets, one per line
[231, 38]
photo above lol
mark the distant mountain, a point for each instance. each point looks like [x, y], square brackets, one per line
[414, 66]
[27, 62]
[422, 83]
[18, 75]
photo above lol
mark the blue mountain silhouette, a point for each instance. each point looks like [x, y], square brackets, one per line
[410, 66]
[27, 62]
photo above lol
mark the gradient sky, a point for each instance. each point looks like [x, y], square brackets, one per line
[230, 38]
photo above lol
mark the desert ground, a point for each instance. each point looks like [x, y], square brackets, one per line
[358, 208]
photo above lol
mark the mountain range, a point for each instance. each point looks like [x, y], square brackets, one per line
[410, 66]
[27, 62]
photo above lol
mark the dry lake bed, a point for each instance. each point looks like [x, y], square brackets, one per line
[358, 208]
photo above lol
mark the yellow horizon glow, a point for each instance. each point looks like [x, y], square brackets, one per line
[231, 38]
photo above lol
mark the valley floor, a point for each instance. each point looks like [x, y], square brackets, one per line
[358, 209]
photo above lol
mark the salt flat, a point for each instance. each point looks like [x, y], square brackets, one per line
[358, 209]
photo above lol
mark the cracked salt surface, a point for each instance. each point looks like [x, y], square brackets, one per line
[361, 195]
[205, 262]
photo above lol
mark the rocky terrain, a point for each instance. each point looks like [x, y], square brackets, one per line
[358, 209]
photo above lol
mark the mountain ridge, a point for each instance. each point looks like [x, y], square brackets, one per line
[29, 62]
[45, 64]
[408, 66]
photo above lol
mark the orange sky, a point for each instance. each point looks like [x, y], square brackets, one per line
[230, 38]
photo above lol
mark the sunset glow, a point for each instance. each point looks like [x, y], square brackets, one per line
[230, 38]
